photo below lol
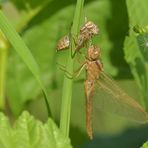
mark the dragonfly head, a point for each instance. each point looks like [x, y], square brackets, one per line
[93, 52]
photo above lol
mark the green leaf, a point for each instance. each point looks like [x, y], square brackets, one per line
[134, 58]
[143, 46]
[145, 145]
[135, 46]
[137, 12]
[27, 132]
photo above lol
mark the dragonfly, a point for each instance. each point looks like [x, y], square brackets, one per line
[87, 31]
[115, 101]
[118, 101]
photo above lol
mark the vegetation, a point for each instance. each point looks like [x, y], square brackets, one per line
[31, 81]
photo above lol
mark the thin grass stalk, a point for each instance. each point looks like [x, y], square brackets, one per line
[3, 63]
[68, 83]
[23, 51]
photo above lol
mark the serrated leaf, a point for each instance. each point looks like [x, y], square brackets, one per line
[27, 132]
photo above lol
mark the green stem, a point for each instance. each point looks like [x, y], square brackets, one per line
[67, 86]
[3, 61]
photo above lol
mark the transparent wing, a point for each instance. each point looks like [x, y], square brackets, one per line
[115, 100]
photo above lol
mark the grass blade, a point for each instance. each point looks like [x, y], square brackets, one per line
[3, 63]
[23, 51]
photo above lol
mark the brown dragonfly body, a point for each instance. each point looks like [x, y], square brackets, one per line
[93, 68]
[123, 104]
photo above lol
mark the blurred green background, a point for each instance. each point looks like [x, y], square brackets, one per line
[42, 24]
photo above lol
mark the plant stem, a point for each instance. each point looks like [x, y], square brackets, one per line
[67, 86]
[3, 61]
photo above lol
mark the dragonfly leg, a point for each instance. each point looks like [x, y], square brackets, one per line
[79, 70]
[63, 68]
[76, 73]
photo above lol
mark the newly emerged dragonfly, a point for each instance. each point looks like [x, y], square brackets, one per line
[86, 33]
[118, 101]
[115, 100]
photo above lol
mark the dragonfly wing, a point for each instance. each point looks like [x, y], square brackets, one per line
[115, 100]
